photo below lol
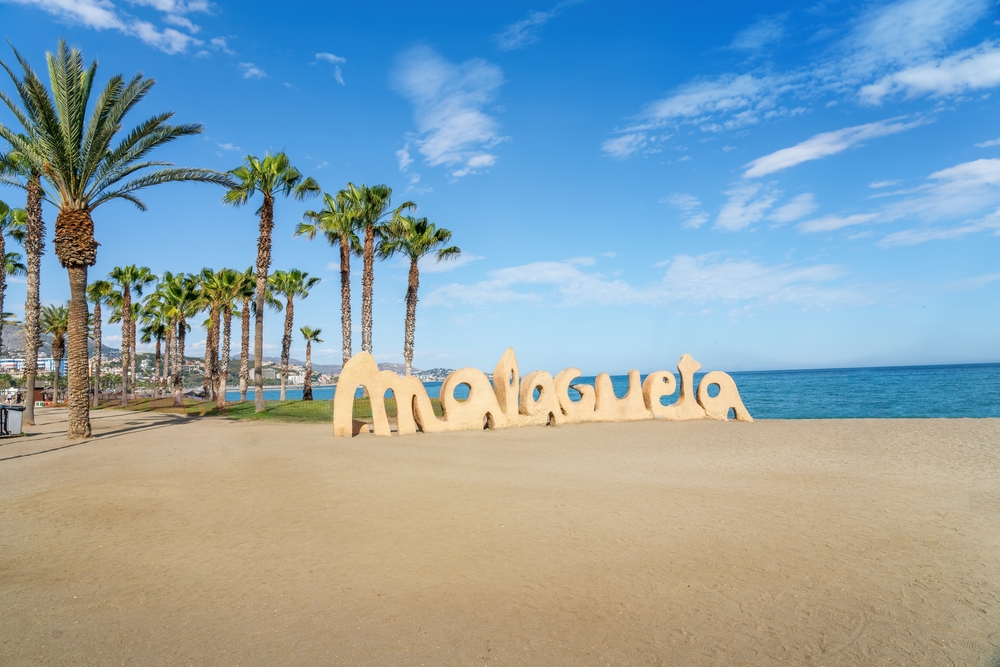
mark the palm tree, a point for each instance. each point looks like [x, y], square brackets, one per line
[82, 169]
[54, 320]
[338, 221]
[99, 293]
[12, 221]
[289, 284]
[128, 279]
[210, 297]
[374, 211]
[16, 171]
[230, 287]
[415, 238]
[154, 329]
[311, 336]
[247, 287]
[274, 175]
[180, 300]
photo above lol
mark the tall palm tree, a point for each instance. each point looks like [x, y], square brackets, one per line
[180, 299]
[312, 336]
[229, 283]
[274, 175]
[154, 329]
[54, 320]
[374, 207]
[415, 238]
[211, 302]
[247, 287]
[338, 221]
[18, 172]
[82, 168]
[12, 222]
[98, 292]
[129, 279]
[291, 285]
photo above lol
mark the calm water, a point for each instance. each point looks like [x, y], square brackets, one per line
[970, 390]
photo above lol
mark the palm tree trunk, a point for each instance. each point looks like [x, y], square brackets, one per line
[79, 378]
[263, 264]
[179, 363]
[156, 371]
[411, 315]
[132, 354]
[97, 354]
[216, 368]
[307, 386]
[3, 284]
[126, 345]
[206, 381]
[345, 298]
[286, 346]
[34, 246]
[55, 371]
[244, 349]
[168, 359]
[367, 282]
[224, 360]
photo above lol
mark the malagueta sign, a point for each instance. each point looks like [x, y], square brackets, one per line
[510, 400]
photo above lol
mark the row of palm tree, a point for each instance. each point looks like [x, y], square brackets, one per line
[71, 152]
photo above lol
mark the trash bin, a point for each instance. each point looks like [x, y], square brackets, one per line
[13, 415]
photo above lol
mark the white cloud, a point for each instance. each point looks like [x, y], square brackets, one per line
[477, 161]
[230, 147]
[823, 145]
[525, 31]
[882, 42]
[690, 206]
[449, 105]
[987, 144]
[798, 207]
[105, 15]
[221, 44]
[974, 283]
[403, 155]
[761, 34]
[971, 69]
[829, 223]
[747, 204]
[703, 279]
[875, 185]
[251, 71]
[337, 61]
[948, 195]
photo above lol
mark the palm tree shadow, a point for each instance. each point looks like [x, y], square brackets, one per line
[134, 426]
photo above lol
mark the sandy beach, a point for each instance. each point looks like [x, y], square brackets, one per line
[168, 540]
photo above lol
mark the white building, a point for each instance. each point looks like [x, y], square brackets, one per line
[45, 365]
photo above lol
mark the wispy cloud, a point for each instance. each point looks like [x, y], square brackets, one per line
[823, 145]
[105, 15]
[450, 102]
[524, 32]
[974, 283]
[799, 207]
[949, 195]
[336, 61]
[889, 49]
[230, 147]
[761, 34]
[987, 144]
[430, 265]
[747, 204]
[700, 280]
[875, 185]
[690, 207]
[971, 69]
[251, 71]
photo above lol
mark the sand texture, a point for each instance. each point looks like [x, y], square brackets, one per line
[174, 541]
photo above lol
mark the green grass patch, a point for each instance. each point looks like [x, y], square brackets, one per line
[306, 412]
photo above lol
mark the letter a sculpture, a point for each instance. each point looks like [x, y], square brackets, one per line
[510, 400]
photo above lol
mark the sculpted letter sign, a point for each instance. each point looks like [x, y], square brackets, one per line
[510, 400]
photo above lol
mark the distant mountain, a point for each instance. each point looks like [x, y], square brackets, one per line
[334, 369]
[13, 344]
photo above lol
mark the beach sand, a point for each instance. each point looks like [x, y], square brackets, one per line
[174, 541]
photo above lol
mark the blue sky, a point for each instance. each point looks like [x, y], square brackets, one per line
[764, 185]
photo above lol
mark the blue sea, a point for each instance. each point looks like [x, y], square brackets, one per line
[967, 390]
